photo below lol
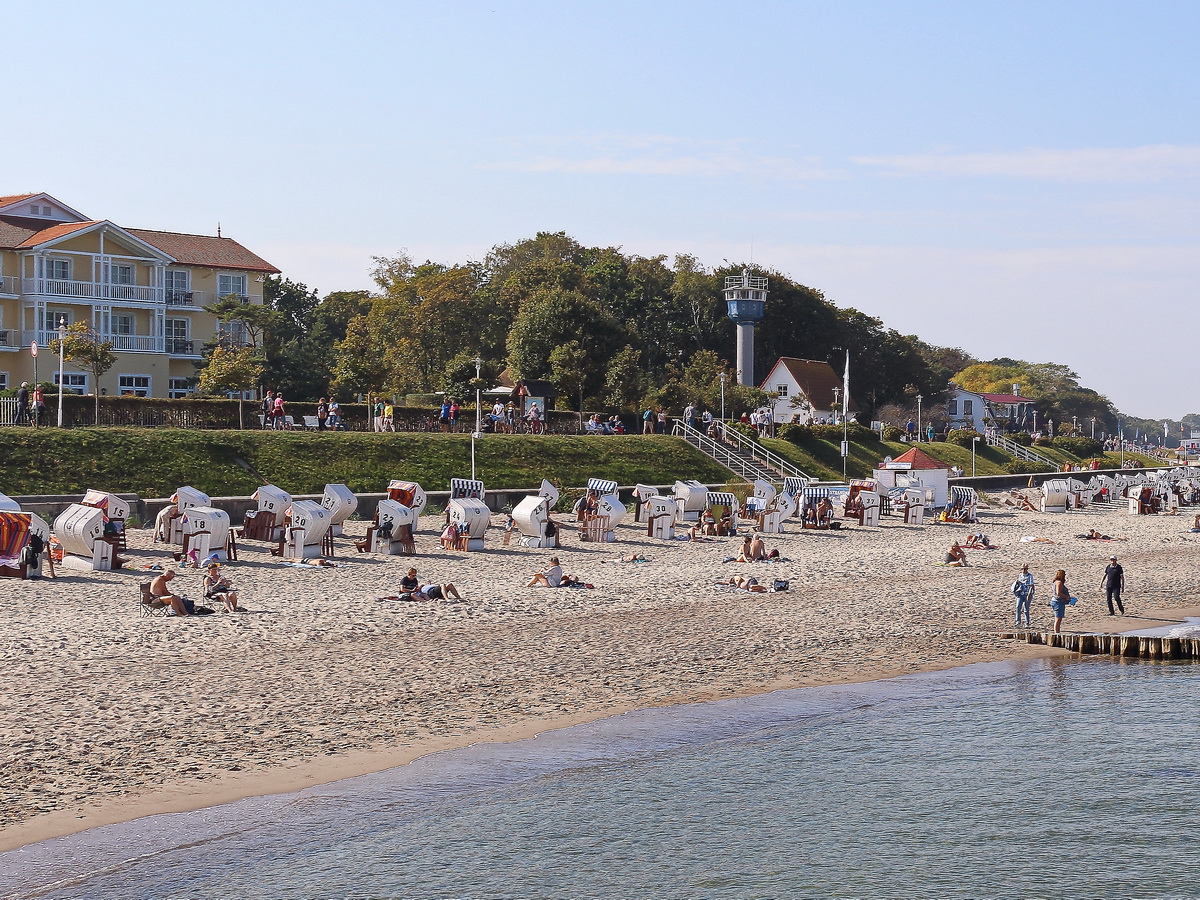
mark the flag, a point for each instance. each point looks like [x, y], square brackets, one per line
[846, 389]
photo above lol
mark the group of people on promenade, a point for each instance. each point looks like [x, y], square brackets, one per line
[31, 406]
[1112, 581]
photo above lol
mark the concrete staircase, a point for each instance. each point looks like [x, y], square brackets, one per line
[742, 456]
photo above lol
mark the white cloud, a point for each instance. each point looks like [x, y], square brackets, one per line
[1105, 164]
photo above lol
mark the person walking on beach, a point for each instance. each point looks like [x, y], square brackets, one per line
[1022, 589]
[1059, 600]
[1113, 583]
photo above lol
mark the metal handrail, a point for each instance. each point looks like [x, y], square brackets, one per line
[1020, 451]
[757, 452]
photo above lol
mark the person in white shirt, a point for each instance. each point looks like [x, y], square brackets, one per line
[552, 577]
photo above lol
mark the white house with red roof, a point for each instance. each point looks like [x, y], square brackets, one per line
[1007, 412]
[805, 390]
[916, 467]
[143, 291]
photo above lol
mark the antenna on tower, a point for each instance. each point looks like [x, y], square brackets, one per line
[218, 229]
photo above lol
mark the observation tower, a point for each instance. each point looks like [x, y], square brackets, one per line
[746, 302]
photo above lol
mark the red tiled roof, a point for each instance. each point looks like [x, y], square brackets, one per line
[816, 378]
[54, 231]
[15, 198]
[1006, 398]
[919, 459]
[205, 250]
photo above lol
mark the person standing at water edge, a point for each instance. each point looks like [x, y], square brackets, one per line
[1022, 588]
[1113, 583]
[1060, 599]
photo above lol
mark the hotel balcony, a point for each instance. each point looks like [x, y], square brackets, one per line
[91, 290]
[10, 339]
[9, 285]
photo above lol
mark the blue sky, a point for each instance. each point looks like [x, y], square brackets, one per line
[1018, 179]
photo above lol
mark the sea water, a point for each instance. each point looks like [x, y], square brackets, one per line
[1050, 778]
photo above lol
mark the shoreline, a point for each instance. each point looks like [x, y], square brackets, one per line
[298, 775]
[110, 717]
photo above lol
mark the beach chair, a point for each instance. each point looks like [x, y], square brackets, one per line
[148, 604]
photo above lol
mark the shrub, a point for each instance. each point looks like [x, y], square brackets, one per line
[1079, 446]
[856, 433]
[892, 432]
[963, 436]
[796, 434]
[1044, 441]
[1022, 467]
[1024, 438]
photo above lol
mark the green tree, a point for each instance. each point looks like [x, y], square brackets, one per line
[232, 369]
[624, 382]
[84, 347]
[554, 317]
[570, 369]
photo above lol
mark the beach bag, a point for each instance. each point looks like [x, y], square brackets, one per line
[779, 585]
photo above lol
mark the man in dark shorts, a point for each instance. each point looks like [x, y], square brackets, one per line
[1113, 583]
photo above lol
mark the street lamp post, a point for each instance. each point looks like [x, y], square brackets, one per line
[722, 399]
[62, 340]
[478, 413]
[837, 392]
[1093, 426]
[919, 399]
[974, 441]
[1121, 440]
[1074, 425]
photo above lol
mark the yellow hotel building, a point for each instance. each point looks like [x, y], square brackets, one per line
[143, 291]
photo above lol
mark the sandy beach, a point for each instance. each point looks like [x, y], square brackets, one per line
[107, 715]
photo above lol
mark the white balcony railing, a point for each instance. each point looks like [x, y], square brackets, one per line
[91, 290]
[9, 284]
[141, 343]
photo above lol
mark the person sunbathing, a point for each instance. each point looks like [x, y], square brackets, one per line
[1094, 535]
[437, 592]
[741, 582]
[551, 577]
[160, 590]
[824, 511]
[753, 549]
[217, 587]
[977, 542]
[956, 555]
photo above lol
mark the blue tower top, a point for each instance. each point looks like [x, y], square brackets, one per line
[746, 298]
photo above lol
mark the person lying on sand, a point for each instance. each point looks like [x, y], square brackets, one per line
[978, 542]
[438, 592]
[956, 555]
[631, 557]
[1094, 535]
[744, 583]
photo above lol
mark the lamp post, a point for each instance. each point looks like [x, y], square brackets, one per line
[722, 399]
[837, 392]
[974, 441]
[62, 340]
[478, 413]
[1093, 427]
[1074, 425]
[1035, 421]
[1121, 440]
[919, 399]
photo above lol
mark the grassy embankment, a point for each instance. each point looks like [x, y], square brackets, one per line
[154, 462]
[822, 459]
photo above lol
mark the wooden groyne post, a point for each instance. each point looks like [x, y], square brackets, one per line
[1128, 645]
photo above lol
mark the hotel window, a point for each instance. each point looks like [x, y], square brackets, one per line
[134, 385]
[952, 408]
[177, 336]
[58, 269]
[122, 324]
[968, 407]
[50, 322]
[231, 284]
[73, 382]
[781, 389]
[179, 387]
[121, 274]
[3, 381]
[234, 333]
[177, 279]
